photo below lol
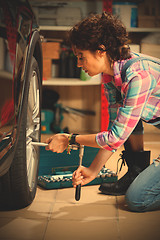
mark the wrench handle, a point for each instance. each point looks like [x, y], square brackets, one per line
[78, 192]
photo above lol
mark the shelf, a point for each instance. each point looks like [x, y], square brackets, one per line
[67, 28]
[143, 29]
[70, 82]
[55, 28]
[5, 74]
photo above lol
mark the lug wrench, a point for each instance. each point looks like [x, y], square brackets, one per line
[81, 152]
[78, 187]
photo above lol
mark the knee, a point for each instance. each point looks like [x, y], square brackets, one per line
[135, 198]
[134, 206]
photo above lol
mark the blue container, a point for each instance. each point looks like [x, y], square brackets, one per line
[127, 12]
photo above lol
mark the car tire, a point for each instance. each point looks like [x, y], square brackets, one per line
[18, 185]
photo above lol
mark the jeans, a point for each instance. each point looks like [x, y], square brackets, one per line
[144, 192]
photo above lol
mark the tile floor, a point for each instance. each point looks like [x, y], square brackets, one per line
[54, 214]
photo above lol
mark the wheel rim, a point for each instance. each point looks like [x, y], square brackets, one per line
[32, 130]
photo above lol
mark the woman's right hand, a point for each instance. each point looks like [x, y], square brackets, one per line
[82, 175]
[58, 142]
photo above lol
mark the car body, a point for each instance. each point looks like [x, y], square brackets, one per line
[20, 103]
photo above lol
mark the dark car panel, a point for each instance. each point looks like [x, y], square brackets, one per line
[20, 99]
[19, 40]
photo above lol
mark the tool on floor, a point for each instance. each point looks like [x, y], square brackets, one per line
[78, 187]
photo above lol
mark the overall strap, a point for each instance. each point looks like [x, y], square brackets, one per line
[133, 60]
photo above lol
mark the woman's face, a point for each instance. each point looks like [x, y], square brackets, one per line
[91, 63]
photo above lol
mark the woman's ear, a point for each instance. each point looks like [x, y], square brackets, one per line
[100, 53]
[101, 50]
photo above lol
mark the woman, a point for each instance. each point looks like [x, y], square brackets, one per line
[100, 44]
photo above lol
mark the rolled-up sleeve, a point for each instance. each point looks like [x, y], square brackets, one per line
[137, 90]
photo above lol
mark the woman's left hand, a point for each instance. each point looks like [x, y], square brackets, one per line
[58, 143]
[82, 175]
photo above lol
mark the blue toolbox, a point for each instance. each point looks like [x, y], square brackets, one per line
[56, 169]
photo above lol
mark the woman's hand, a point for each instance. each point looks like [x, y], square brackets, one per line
[58, 143]
[82, 175]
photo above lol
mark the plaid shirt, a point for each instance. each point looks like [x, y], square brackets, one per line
[140, 94]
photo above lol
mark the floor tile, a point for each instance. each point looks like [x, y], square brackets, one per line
[139, 226]
[84, 212]
[79, 230]
[36, 210]
[22, 229]
[89, 194]
[45, 195]
[66, 195]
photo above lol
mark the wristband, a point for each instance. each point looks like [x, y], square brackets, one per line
[72, 140]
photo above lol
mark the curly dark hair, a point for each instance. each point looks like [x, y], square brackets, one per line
[101, 29]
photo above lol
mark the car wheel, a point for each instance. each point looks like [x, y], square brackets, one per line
[18, 185]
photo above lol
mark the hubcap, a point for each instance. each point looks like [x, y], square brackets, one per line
[33, 129]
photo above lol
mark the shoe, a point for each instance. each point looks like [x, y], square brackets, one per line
[136, 162]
